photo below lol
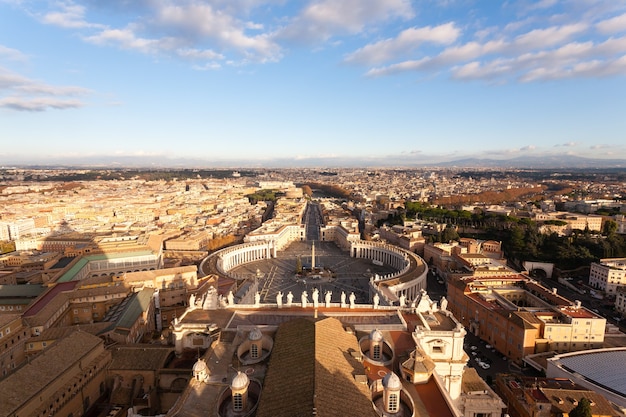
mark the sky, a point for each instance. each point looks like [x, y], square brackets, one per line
[269, 82]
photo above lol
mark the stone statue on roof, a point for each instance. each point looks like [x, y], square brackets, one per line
[327, 298]
[444, 303]
[343, 299]
[289, 299]
[352, 299]
[279, 299]
[304, 298]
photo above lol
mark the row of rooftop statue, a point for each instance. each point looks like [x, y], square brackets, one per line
[304, 300]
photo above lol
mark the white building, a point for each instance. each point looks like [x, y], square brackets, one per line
[608, 274]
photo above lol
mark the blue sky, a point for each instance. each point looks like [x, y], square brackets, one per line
[325, 80]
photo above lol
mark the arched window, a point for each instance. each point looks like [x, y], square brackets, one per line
[238, 402]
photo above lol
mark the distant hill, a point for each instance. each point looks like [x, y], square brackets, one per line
[543, 162]
[420, 161]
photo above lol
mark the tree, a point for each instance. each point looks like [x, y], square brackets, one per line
[306, 190]
[583, 409]
[610, 227]
[449, 234]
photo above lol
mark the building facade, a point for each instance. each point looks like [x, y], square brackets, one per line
[608, 274]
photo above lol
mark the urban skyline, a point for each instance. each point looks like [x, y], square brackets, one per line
[419, 82]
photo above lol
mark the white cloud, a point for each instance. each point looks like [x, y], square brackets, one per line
[38, 103]
[126, 39]
[414, 65]
[20, 93]
[323, 19]
[475, 70]
[37, 88]
[192, 53]
[551, 53]
[11, 54]
[615, 24]
[406, 41]
[541, 38]
[69, 15]
[192, 30]
[202, 22]
[543, 4]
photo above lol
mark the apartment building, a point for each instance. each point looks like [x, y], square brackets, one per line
[64, 380]
[608, 274]
[13, 335]
[519, 317]
[405, 237]
[534, 397]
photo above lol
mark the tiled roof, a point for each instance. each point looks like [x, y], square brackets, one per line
[26, 382]
[55, 333]
[138, 357]
[570, 398]
[312, 369]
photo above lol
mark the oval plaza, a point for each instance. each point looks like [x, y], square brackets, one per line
[278, 260]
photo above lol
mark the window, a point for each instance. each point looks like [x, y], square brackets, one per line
[376, 353]
[392, 406]
[254, 351]
[238, 402]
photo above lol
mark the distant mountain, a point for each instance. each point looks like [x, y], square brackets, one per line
[540, 162]
[419, 161]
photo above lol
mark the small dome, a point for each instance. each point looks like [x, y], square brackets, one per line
[240, 381]
[376, 336]
[392, 381]
[255, 334]
[200, 366]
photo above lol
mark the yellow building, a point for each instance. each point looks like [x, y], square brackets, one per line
[519, 317]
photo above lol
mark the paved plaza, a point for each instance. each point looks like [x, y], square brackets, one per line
[346, 274]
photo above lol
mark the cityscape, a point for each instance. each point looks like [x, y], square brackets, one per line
[286, 208]
[271, 292]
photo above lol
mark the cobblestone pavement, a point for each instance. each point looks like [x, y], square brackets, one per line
[346, 274]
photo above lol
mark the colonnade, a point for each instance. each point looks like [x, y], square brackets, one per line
[410, 277]
[381, 252]
[229, 258]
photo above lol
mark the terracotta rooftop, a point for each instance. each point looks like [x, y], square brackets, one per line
[140, 357]
[432, 400]
[322, 351]
[26, 382]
